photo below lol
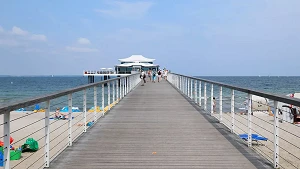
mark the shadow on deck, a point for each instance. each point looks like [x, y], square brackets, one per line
[155, 126]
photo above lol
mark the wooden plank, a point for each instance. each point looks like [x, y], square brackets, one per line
[156, 127]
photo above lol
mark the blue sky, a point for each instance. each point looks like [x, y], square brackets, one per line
[192, 37]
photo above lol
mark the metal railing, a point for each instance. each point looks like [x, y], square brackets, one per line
[77, 110]
[263, 121]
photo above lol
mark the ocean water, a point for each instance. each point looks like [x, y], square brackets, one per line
[280, 85]
[19, 88]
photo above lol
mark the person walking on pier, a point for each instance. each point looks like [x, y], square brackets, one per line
[153, 76]
[150, 75]
[159, 75]
[143, 77]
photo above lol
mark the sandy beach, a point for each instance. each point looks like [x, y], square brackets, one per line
[58, 135]
[262, 124]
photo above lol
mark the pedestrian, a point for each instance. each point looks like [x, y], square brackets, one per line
[159, 75]
[153, 76]
[143, 77]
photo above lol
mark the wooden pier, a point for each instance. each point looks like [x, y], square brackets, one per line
[155, 126]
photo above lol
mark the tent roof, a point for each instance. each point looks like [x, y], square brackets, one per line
[136, 58]
[137, 64]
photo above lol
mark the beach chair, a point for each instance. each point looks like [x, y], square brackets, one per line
[255, 137]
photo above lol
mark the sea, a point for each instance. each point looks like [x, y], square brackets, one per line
[18, 88]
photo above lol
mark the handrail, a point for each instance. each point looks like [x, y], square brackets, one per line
[257, 120]
[68, 126]
[285, 99]
[32, 101]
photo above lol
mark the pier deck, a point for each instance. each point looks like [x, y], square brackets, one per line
[155, 126]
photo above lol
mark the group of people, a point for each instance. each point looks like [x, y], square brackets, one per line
[153, 75]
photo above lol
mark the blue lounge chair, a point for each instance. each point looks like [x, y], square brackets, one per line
[255, 137]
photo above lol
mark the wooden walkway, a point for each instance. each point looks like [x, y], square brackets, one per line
[155, 126]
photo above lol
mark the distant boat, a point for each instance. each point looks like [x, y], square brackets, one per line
[52, 75]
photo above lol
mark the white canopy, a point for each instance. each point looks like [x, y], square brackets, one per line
[136, 58]
[137, 64]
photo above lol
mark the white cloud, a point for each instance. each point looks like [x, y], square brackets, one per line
[9, 42]
[38, 37]
[33, 50]
[78, 49]
[128, 10]
[83, 41]
[29, 36]
[18, 31]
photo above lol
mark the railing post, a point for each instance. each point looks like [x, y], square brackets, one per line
[70, 119]
[232, 111]
[205, 98]
[122, 80]
[191, 88]
[117, 92]
[126, 85]
[212, 99]
[108, 95]
[276, 135]
[188, 87]
[200, 94]
[129, 84]
[95, 103]
[103, 99]
[179, 82]
[122, 89]
[47, 135]
[249, 120]
[195, 91]
[185, 86]
[221, 105]
[113, 86]
[6, 158]
[84, 110]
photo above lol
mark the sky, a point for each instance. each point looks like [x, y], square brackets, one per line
[190, 37]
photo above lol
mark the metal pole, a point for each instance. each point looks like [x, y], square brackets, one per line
[103, 99]
[6, 158]
[205, 97]
[188, 87]
[47, 135]
[84, 110]
[124, 85]
[108, 95]
[195, 91]
[179, 82]
[221, 106]
[276, 135]
[249, 121]
[117, 92]
[191, 88]
[232, 111]
[211, 99]
[70, 119]
[95, 103]
[200, 94]
[113, 86]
